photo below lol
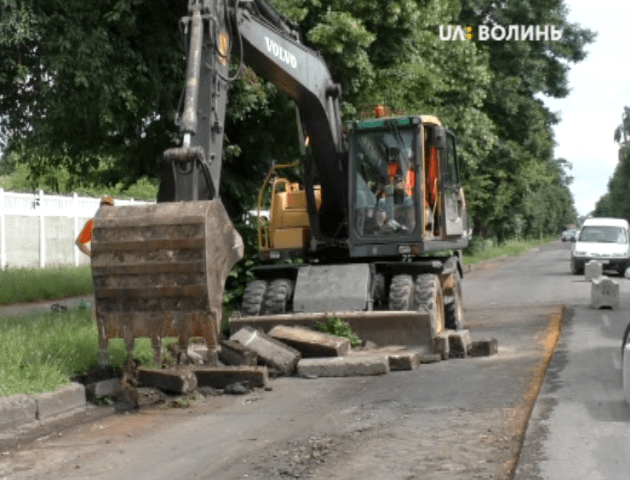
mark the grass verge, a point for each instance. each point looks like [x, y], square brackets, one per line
[510, 248]
[31, 284]
[42, 352]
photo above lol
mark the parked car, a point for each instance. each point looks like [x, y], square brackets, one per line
[606, 240]
[568, 235]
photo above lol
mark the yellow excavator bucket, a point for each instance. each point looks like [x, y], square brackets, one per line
[159, 270]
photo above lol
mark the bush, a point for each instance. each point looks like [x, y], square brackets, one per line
[338, 328]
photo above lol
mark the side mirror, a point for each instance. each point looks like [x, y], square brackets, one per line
[439, 137]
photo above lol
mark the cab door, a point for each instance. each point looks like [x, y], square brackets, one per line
[453, 194]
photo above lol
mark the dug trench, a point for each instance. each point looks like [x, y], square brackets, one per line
[461, 418]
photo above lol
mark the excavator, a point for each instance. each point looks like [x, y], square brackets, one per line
[372, 234]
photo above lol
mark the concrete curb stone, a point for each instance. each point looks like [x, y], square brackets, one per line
[343, 366]
[69, 398]
[20, 410]
[17, 410]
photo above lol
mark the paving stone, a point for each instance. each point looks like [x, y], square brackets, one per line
[604, 293]
[484, 348]
[233, 353]
[459, 343]
[173, 381]
[221, 377]
[17, 410]
[592, 270]
[311, 343]
[343, 366]
[270, 351]
[66, 400]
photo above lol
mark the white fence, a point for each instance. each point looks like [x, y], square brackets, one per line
[40, 230]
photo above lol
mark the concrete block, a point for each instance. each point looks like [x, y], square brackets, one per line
[459, 343]
[626, 372]
[311, 343]
[233, 353]
[17, 410]
[440, 345]
[102, 388]
[66, 400]
[430, 358]
[484, 348]
[221, 377]
[343, 366]
[604, 293]
[398, 357]
[270, 351]
[172, 381]
[592, 270]
[407, 360]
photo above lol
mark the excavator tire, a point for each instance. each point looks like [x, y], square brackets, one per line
[277, 297]
[401, 292]
[453, 311]
[428, 295]
[159, 270]
[253, 298]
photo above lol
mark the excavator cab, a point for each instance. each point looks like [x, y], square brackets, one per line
[405, 191]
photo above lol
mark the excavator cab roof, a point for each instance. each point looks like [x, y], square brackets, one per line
[384, 122]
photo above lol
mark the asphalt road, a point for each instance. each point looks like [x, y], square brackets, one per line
[458, 419]
[579, 428]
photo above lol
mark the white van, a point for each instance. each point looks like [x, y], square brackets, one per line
[606, 240]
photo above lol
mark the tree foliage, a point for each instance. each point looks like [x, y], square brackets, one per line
[615, 202]
[90, 89]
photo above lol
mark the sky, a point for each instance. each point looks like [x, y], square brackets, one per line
[600, 88]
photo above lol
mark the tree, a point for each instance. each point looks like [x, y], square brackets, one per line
[615, 202]
[91, 90]
[520, 70]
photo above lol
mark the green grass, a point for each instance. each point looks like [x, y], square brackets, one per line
[31, 284]
[42, 352]
[510, 248]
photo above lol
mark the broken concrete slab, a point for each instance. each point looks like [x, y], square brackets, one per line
[69, 399]
[484, 348]
[349, 366]
[233, 353]
[604, 293]
[593, 270]
[221, 377]
[178, 381]
[270, 351]
[311, 343]
[459, 343]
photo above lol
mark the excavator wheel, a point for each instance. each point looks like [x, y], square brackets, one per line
[428, 295]
[401, 293]
[277, 296]
[453, 311]
[253, 298]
